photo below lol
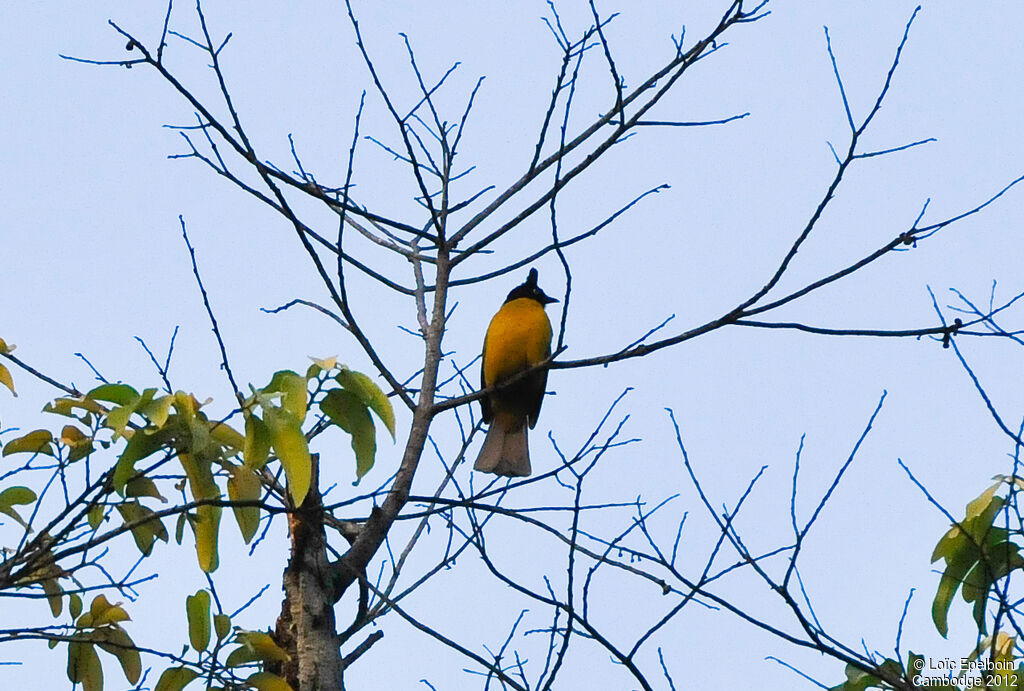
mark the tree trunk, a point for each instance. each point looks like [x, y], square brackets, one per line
[306, 626]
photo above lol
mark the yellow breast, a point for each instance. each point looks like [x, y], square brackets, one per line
[518, 338]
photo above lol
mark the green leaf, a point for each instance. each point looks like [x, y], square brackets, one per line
[67, 406]
[179, 527]
[975, 589]
[78, 443]
[198, 441]
[147, 531]
[54, 595]
[197, 608]
[980, 504]
[72, 436]
[370, 394]
[349, 412]
[265, 681]
[257, 442]
[915, 662]
[84, 665]
[997, 561]
[227, 436]
[142, 444]
[102, 613]
[117, 642]
[175, 679]
[959, 559]
[856, 680]
[968, 565]
[143, 487]
[241, 656]
[221, 626]
[95, 516]
[16, 495]
[37, 441]
[118, 418]
[262, 645]
[290, 446]
[320, 365]
[118, 394]
[77, 453]
[206, 524]
[157, 410]
[244, 485]
[74, 605]
[6, 379]
[294, 389]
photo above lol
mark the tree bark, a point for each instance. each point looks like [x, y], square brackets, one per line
[306, 628]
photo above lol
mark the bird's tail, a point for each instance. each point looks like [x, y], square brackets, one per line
[505, 450]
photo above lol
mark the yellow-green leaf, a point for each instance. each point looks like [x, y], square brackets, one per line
[72, 436]
[81, 451]
[221, 626]
[175, 679]
[67, 406]
[244, 485]
[257, 442]
[197, 609]
[84, 666]
[980, 503]
[77, 441]
[290, 446]
[16, 495]
[95, 516]
[144, 531]
[186, 405]
[117, 642]
[370, 394]
[327, 363]
[199, 441]
[179, 527]
[37, 441]
[6, 379]
[117, 419]
[142, 444]
[206, 527]
[349, 412]
[118, 394]
[227, 436]
[320, 365]
[206, 524]
[74, 605]
[157, 410]
[294, 389]
[242, 655]
[102, 612]
[265, 681]
[143, 487]
[263, 646]
[54, 595]
[961, 548]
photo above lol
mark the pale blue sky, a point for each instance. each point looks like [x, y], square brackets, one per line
[94, 257]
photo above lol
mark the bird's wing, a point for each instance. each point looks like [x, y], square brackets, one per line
[485, 401]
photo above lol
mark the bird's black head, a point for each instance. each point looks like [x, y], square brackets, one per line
[531, 290]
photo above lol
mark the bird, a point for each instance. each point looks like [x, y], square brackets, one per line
[518, 339]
